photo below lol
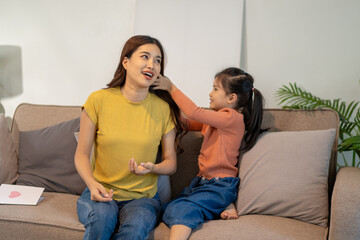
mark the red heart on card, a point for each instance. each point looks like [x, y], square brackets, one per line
[14, 194]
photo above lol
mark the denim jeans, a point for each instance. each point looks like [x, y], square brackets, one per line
[203, 200]
[132, 219]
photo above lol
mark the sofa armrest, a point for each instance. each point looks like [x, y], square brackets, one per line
[345, 205]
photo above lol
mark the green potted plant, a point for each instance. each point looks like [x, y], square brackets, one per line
[294, 97]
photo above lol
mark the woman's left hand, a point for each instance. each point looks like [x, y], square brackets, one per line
[142, 169]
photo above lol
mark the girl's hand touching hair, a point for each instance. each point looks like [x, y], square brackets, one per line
[142, 169]
[164, 83]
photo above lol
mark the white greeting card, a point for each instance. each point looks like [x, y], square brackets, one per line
[22, 195]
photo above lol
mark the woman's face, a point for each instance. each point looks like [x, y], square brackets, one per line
[143, 67]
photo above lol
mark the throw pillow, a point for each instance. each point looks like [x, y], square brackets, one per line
[163, 185]
[46, 158]
[286, 174]
[8, 157]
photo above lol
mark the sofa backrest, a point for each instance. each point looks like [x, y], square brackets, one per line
[274, 119]
[29, 117]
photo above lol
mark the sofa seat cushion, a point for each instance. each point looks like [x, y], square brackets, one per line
[55, 214]
[255, 227]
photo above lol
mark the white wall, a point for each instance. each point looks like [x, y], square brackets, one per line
[68, 48]
[71, 48]
[200, 38]
[313, 43]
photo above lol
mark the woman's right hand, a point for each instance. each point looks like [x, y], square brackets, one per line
[99, 193]
[164, 83]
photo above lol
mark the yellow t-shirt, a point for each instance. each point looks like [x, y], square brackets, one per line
[124, 130]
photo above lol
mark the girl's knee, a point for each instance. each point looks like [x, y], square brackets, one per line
[183, 213]
[170, 210]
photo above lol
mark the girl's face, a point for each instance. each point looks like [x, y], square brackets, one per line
[143, 67]
[218, 97]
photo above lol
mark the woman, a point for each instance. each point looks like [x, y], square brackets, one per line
[127, 123]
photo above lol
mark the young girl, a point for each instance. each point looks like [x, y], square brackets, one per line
[234, 120]
[126, 121]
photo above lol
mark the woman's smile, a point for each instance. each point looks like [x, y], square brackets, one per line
[148, 74]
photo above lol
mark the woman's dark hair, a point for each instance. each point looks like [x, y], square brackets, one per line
[249, 100]
[120, 76]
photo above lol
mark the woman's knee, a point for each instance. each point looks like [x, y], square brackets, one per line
[140, 214]
[106, 211]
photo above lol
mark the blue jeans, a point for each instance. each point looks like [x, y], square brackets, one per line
[132, 219]
[203, 200]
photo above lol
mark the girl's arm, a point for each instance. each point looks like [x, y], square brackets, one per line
[166, 166]
[216, 119]
[191, 124]
[82, 160]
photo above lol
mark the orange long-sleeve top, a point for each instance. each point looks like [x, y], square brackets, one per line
[223, 131]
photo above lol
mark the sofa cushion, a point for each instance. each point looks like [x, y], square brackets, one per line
[54, 217]
[8, 157]
[46, 158]
[254, 227]
[286, 174]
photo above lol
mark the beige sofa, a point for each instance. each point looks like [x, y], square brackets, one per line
[55, 217]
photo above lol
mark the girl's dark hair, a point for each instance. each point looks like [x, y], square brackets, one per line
[249, 100]
[120, 76]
